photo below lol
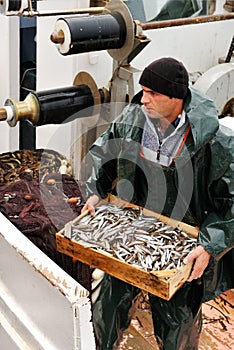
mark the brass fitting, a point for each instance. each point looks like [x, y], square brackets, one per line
[3, 114]
[28, 109]
[57, 37]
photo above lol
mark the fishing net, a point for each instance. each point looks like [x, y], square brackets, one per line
[35, 197]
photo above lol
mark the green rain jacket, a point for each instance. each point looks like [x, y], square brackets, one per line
[178, 9]
[209, 153]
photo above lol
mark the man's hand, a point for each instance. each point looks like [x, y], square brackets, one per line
[90, 204]
[201, 257]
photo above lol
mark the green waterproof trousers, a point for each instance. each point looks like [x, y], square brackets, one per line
[177, 322]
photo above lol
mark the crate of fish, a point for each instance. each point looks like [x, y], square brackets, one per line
[136, 245]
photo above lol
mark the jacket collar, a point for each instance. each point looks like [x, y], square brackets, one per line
[202, 116]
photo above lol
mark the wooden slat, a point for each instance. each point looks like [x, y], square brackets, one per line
[115, 267]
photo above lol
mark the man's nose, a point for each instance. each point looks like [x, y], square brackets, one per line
[145, 98]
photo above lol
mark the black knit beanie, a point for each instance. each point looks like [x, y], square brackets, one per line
[166, 76]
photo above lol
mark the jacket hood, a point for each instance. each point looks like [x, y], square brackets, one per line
[202, 115]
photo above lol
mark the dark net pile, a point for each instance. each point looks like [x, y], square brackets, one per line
[37, 200]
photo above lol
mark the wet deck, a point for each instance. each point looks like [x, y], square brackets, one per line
[217, 332]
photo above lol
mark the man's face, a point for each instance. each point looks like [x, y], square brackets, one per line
[158, 105]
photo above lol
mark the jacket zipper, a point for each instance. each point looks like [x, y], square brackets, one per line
[159, 149]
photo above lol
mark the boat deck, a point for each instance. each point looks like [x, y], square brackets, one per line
[217, 332]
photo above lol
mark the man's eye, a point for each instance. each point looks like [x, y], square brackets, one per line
[153, 93]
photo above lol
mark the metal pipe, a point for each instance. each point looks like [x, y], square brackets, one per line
[91, 10]
[185, 21]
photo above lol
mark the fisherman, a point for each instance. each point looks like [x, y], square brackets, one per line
[167, 152]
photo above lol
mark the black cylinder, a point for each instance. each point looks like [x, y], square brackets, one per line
[14, 5]
[62, 105]
[95, 33]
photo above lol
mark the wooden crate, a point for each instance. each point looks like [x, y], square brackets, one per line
[163, 283]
